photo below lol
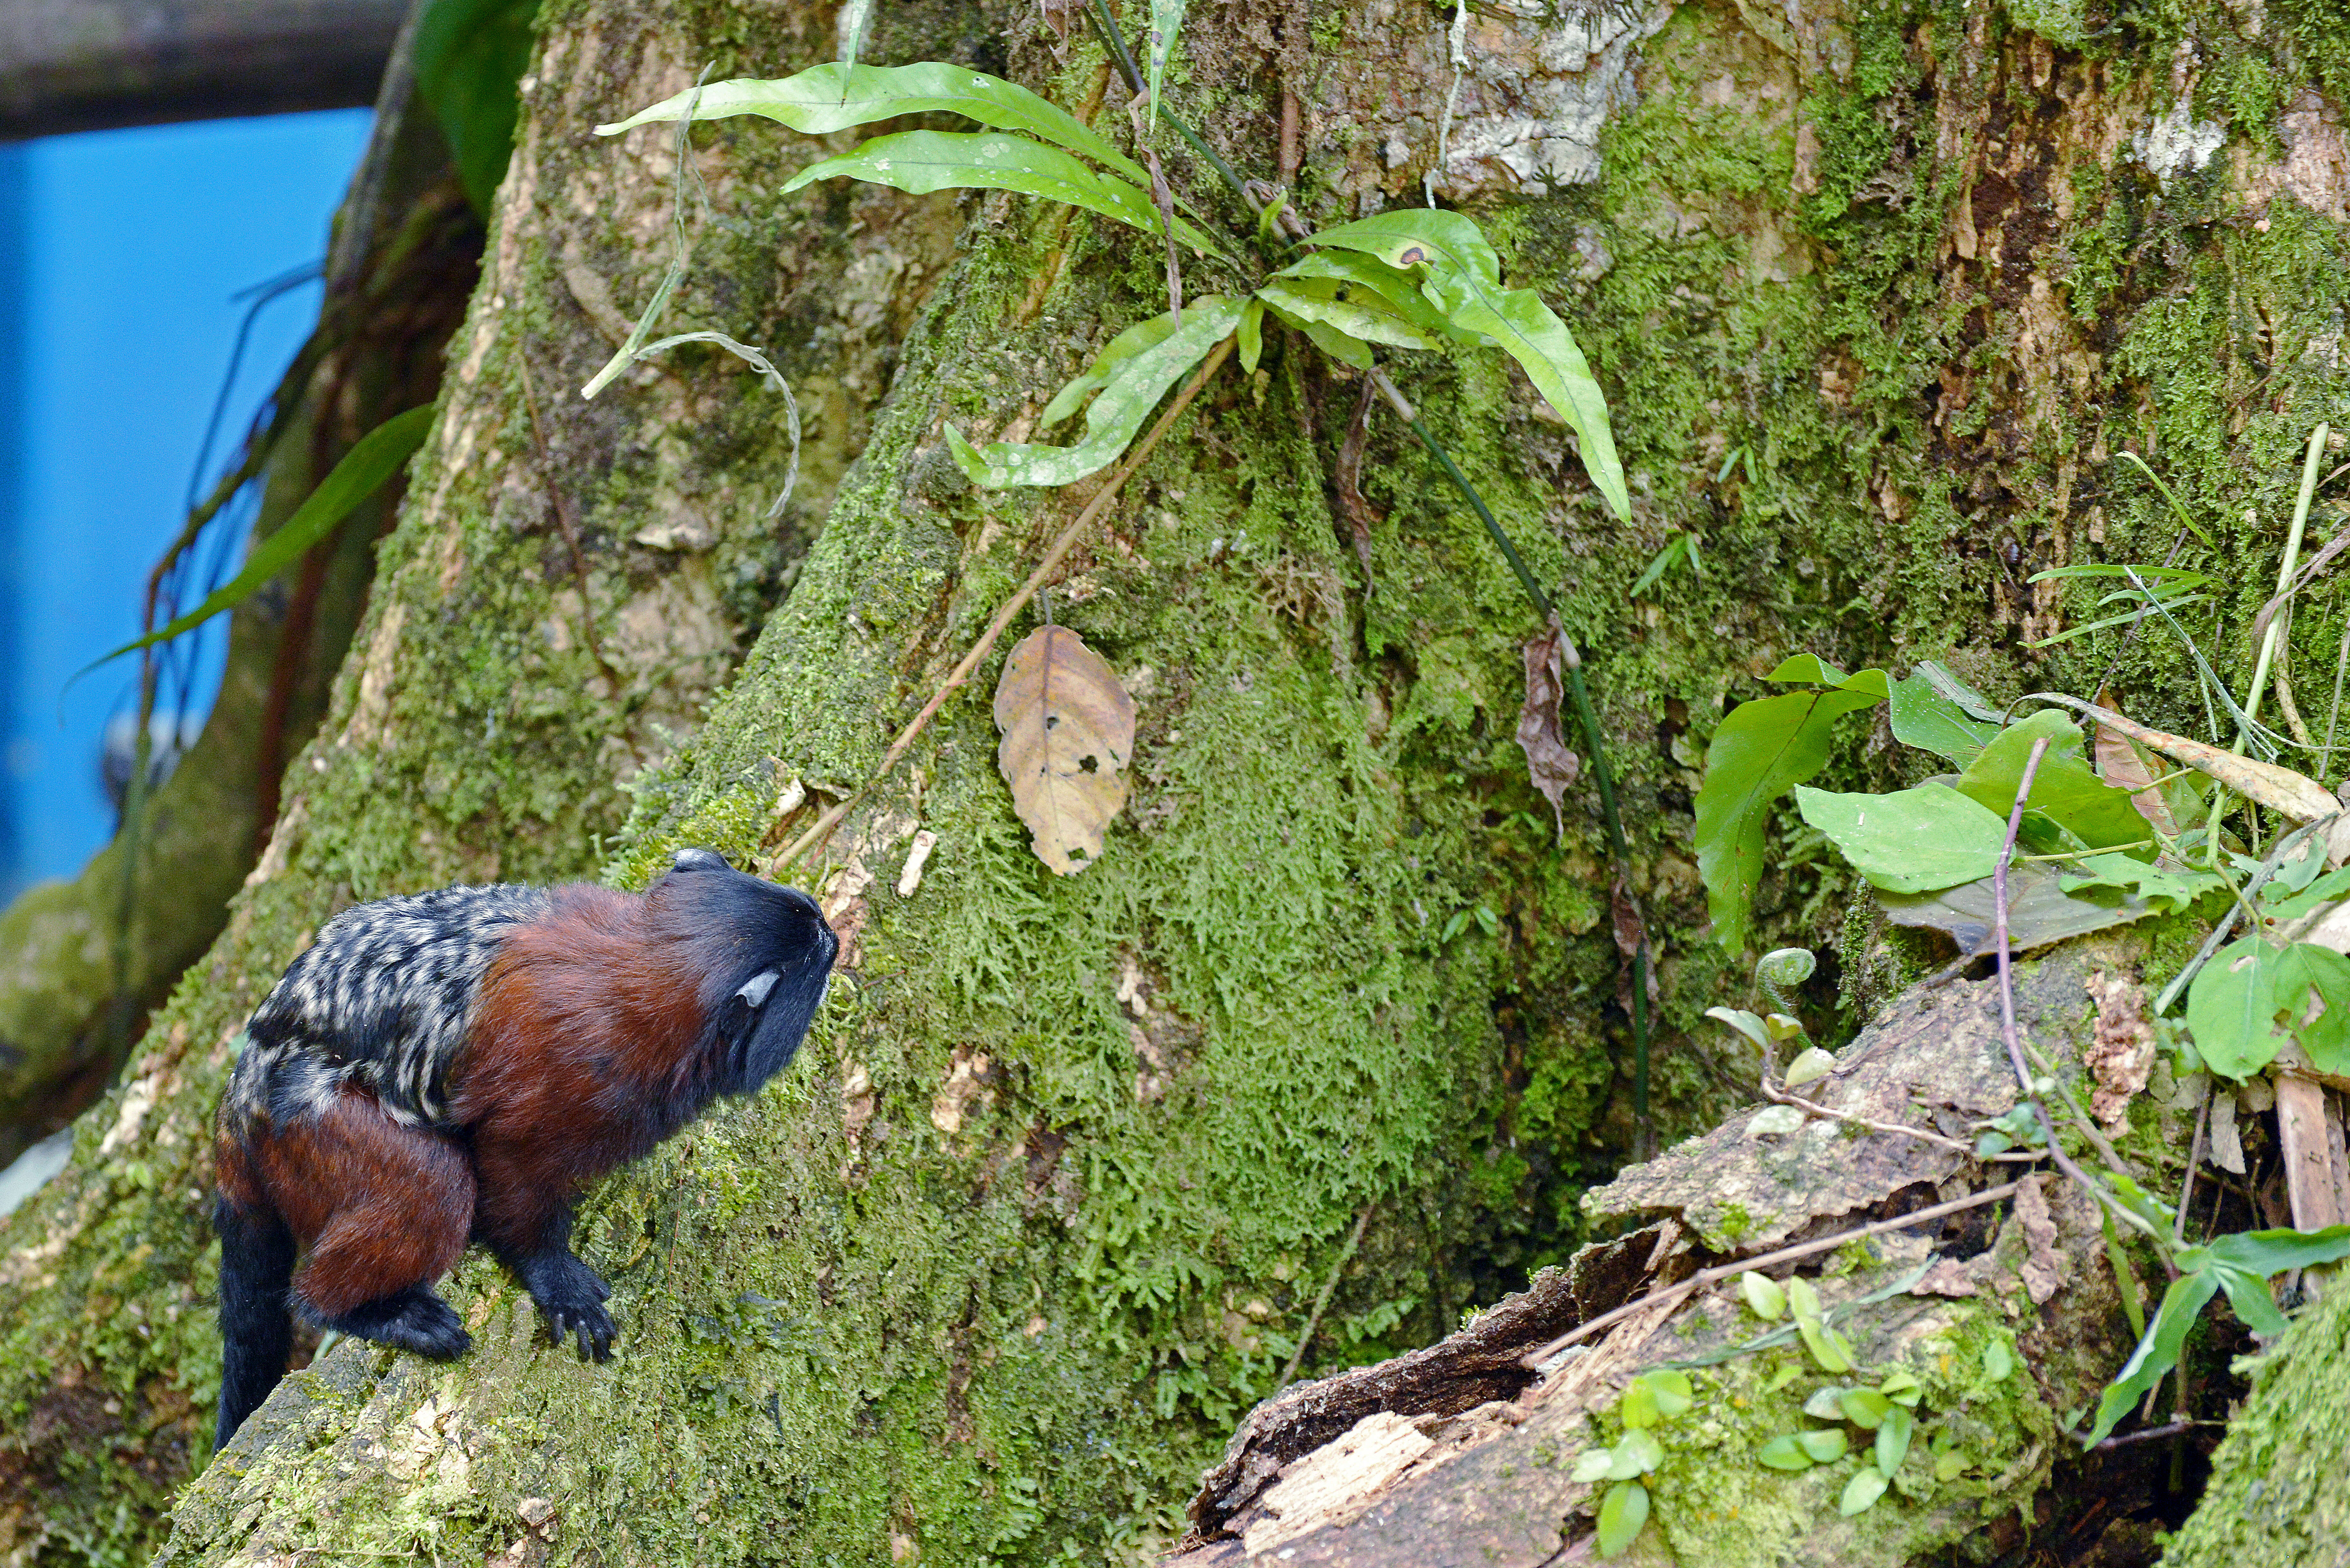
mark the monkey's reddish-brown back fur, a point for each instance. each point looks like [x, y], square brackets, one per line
[584, 1037]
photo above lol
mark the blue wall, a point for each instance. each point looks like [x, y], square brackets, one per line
[128, 246]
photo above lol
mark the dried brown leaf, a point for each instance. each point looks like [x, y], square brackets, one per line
[1542, 733]
[1068, 733]
[2297, 796]
[2121, 763]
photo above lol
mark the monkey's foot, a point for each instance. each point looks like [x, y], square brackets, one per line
[414, 1319]
[572, 1299]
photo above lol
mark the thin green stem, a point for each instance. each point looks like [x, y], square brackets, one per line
[1601, 774]
[2285, 581]
[1106, 22]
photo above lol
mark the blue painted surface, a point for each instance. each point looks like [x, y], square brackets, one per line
[132, 243]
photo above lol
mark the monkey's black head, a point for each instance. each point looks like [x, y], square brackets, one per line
[766, 955]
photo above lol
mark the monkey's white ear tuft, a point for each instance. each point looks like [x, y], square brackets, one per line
[754, 991]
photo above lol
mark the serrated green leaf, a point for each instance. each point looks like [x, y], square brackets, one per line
[1825, 1446]
[921, 162]
[1165, 25]
[2232, 1008]
[1910, 841]
[2155, 1354]
[825, 98]
[2167, 891]
[1784, 1453]
[1622, 1512]
[1865, 1407]
[2305, 967]
[1763, 1297]
[1134, 388]
[1760, 751]
[1464, 281]
[1861, 1492]
[1893, 1435]
[374, 458]
[1369, 320]
[1592, 1464]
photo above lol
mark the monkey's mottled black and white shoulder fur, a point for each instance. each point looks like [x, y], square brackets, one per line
[385, 998]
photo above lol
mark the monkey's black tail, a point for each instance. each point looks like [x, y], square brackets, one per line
[256, 1329]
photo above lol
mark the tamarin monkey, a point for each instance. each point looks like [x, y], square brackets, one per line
[457, 1065]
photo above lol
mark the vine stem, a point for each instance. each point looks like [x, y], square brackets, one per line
[1061, 546]
[1601, 775]
[1322, 1302]
[1720, 1272]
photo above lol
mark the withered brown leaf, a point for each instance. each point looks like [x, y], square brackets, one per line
[1541, 733]
[1068, 733]
[2120, 763]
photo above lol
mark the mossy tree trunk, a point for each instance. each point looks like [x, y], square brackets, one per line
[1058, 1184]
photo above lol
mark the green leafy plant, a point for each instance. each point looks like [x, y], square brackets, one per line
[2241, 1265]
[1414, 279]
[1654, 1398]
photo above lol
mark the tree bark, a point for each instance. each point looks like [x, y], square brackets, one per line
[1071, 1170]
[93, 65]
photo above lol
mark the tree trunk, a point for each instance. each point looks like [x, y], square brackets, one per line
[91, 957]
[1074, 1170]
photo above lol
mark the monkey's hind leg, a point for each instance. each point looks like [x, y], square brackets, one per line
[400, 1204]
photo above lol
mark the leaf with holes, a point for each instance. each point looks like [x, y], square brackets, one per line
[1069, 733]
[1464, 281]
[1166, 22]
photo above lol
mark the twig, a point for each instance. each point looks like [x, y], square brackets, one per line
[1322, 1302]
[2148, 1433]
[549, 477]
[1012, 607]
[1937, 1139]
[1705, 1277]
[2194, 1158]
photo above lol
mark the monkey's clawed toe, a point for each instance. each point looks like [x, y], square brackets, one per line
[571, 1298]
